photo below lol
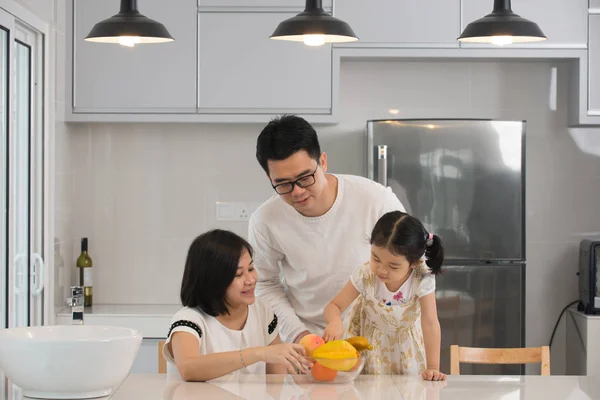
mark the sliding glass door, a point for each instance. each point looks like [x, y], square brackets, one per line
[22, 182]
[27, 185]
[21, 231]
[4, 79]
[22, 174]
[6, 25]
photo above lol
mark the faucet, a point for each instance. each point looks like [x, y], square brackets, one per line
[76, 304]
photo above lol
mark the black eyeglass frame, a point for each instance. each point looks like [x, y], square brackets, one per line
[297, 183]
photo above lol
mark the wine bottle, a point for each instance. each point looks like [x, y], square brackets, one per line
[84, 263]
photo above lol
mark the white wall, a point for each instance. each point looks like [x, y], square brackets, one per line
[141, 192]
[44, 9]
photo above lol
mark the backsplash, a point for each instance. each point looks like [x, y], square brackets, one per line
[142, 192]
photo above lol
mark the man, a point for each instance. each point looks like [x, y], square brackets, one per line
[316, 225]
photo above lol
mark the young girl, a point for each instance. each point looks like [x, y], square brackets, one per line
[222, 327]
[396, 308]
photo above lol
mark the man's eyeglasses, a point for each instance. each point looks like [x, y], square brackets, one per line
[304, 182]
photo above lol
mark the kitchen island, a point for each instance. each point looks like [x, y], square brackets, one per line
[288, 387]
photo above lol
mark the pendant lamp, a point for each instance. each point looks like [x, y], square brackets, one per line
[314, 27]
[129, 28]
[502, 27]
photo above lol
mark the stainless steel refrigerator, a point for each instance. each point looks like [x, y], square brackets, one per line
[465, 180]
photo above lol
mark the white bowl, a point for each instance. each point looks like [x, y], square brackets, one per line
[68, 361]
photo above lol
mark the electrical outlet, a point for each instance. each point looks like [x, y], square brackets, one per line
[243, 215]
[235, 211]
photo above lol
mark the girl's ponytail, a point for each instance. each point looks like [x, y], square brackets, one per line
[434, 253]
[405, 235]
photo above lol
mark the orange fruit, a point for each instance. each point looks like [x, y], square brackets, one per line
[311, 342]
[323, 374]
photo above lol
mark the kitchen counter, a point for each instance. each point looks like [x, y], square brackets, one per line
[288, 387]
[152, 320]
[157, 387]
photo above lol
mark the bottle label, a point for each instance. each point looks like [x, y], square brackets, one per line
[87, 277]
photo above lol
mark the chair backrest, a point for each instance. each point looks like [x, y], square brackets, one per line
[472, 355]
[162, 362]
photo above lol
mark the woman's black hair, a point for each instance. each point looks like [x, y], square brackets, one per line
[211, 265]
[403, 234]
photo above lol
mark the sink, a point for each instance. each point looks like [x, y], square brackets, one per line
[68, 361]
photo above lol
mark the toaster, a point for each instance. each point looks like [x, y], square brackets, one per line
[589, 278]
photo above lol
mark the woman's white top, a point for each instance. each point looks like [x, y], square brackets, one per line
[260, 330]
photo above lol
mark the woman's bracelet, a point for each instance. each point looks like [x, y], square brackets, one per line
[242, 359]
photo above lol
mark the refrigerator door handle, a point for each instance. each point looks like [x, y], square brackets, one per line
[382, 165]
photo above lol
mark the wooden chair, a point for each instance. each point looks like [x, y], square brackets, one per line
[473, 355]
[162, 362]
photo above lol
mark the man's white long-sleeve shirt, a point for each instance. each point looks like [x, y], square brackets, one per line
[315, 256]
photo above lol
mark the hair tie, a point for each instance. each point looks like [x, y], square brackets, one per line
[429, 239]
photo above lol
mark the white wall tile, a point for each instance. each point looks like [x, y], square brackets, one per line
[551, 285]
[414, 88]
[510, 85]
[124, 269]
[171, 265]
[63, 154]
[62, 275]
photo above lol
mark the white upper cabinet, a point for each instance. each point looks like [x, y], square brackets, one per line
[564, 22]
[593, 103]
[223, 67]
[241, 70]
[110, 78]
[402, 22]
[299, 4]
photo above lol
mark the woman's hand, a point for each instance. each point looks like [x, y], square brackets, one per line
[333, 331]
[290, 355]
[433, 375]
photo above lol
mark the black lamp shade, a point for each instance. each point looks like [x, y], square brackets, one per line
[502, 26]
[314, 26]
[129, 27]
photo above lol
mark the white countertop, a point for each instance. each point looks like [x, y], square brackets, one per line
[581, 314]
[255, 387]
[366, 387]
[126, 310]
[152, 320]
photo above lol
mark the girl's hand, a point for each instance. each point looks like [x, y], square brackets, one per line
[433, 375]
[333, 331]
[289, 355]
